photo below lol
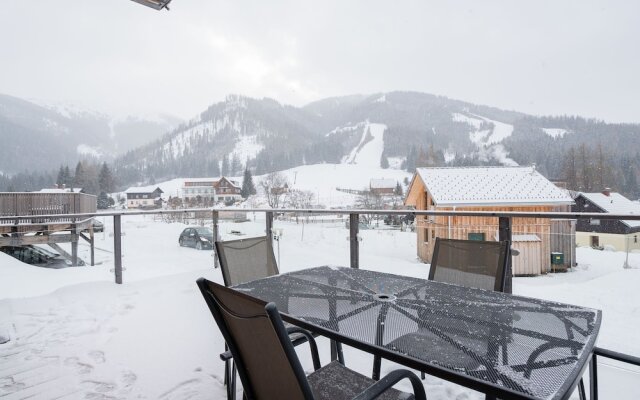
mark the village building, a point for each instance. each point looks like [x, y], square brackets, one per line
[382, 187]
[211, 189]
[143, 197]
[619, 235]
[505, 189]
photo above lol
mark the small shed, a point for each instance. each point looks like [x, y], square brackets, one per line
[529, 248]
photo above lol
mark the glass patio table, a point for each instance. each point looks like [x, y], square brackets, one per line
[507, 346]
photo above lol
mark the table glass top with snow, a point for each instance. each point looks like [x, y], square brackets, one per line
[515, 347]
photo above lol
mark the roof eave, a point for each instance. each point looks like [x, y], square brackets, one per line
[503, 203]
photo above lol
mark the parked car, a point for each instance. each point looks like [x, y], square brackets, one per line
[97, 226]
[199, 237]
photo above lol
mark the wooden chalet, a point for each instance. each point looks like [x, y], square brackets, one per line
[213, 189]
[47, 230]
[144, 197]
[517, 189]
[621, 235]
[382, 187]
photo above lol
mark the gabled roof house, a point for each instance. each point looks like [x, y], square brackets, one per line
[488, 189]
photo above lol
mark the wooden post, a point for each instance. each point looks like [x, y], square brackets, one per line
[74, 243]
[504, 233]
[353, 240]
[117, 248]
[216, 236]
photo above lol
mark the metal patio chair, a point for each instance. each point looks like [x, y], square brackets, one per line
[245, 260]
[268, 365]
[470, 263]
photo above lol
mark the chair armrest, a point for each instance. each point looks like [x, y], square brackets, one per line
[391, 379]
[312, 344]
[226, 356]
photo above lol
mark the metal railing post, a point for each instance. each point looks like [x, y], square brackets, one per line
[216, 236]
[117, 247]
[353, 240]
[504, 233]
[269, 225]
[74, 242]
[593, 377]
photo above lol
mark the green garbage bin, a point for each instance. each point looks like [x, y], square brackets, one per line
[557, 258]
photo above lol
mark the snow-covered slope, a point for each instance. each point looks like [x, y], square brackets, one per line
[488, 135]
[370, 148]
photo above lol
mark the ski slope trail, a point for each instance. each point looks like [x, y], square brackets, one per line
[369, 151]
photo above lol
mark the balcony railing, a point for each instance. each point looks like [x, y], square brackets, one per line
[502, 222]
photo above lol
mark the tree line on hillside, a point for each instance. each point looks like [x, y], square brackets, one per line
[93, 178]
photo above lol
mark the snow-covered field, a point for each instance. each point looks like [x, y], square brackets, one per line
[76, 333]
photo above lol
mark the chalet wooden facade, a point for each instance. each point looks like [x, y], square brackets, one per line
[517, 189]
[618, 235]
[212, 189]
[143, 197]
[382, 187]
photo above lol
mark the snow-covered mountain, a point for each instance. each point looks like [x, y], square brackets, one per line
[38, 135]
[398, 129]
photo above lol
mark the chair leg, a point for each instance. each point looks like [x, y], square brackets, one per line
[377, 361]
[232, 386]
[340, 354]
[581, 392]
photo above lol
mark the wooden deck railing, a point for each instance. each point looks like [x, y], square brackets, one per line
[45, 204]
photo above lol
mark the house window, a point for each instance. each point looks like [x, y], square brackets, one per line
[476, 236]
[144, 196]
[594, 221]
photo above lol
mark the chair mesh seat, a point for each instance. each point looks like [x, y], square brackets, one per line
[335, 381]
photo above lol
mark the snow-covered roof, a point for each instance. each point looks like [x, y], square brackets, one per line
[488, 186]
[143, 189]
[382, 184]
[66, 190]
[615, 203]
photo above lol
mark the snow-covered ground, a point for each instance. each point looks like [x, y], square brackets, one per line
[314, 177]
[74, 332]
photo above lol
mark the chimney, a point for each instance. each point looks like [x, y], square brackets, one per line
[606, 191]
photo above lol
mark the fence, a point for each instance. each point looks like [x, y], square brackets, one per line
[497, 226]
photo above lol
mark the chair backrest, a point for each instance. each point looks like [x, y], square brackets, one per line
[267, 363]
[245, 260]
[470, 263]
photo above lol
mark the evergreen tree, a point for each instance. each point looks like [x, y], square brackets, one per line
[103, 201]
[384, 162]
[67, 176]
[248, 188]
[398, 190]
[105, 179]
[224, 170]
[569, 169]
[61, 179]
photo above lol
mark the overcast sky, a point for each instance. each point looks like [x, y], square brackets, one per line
[541, 57]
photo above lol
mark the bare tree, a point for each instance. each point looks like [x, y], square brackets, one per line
[275, 186]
